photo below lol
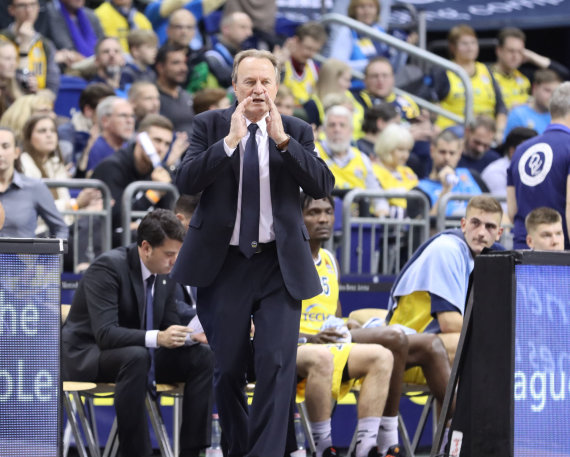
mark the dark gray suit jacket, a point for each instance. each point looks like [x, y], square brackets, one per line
[107, 311]
[206, 167]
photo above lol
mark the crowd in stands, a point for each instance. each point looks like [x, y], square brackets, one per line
[146, 73]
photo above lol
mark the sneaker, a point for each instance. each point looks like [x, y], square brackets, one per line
[395, 451]
[373, 452]
[328, 452]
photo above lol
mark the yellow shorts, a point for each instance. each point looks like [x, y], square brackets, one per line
[340, 352]
[414, 375]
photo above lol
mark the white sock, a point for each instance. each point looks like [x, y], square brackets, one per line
[322, 436]
[367, 431]
[388, 433]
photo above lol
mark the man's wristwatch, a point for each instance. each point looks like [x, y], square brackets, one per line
[283, 145]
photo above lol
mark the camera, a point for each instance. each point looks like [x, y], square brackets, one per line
[23, 78]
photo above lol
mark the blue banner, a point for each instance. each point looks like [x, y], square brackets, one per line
[490, 15]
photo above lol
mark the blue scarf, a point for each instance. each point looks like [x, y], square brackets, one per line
[82, 33]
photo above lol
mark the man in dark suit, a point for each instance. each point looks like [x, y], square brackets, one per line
[107, 336]
[249, 235]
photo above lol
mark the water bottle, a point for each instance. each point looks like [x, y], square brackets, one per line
[451, 179]
[300, 435]
[215, 449]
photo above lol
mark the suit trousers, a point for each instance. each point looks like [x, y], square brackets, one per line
[245, 289]
[127, 367]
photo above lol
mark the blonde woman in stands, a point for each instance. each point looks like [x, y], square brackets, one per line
[334, 78]
[392, 150]
[9, 89]
[23, 108]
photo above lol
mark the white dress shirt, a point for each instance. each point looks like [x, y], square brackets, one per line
[266, 232]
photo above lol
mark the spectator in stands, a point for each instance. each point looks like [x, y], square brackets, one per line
[74, 29]
[41, 158]
[334, 78]
[284, 101]
[116, 121]
[159, 11]
[435, 303]
[445, 177]
[495, 174]
[478, 138]
[23, 108]
[181, 29]
[511, 54]
[376, 119]
[181, 32]
[449, 90]
[75, 134]
[105, 338]
[424, 350]
[23, 198]
[145, 99]
[109, 62]
[132, 163]
[235, 29]
[358, 49]
[379, 83]
[535, 114]
[299, 70]
[392, 150]
[9, 88]
[261, 13]
[544, 230]
[37, 64]
[118, 18]
[351, 168]
[175, 103]
[211, 98]
[539, 170]
[143, 45]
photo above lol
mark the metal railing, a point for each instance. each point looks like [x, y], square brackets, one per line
[419, 53]
[104, 214]
[127, 213]
[395, 233]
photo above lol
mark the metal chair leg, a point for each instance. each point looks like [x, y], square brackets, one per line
[158, 426]
[72, 420]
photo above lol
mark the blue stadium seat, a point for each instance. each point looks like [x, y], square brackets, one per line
[70, 88]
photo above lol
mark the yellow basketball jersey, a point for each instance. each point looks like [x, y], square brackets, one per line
[352, 175]
[515, 87]
[316, 310]
[302, 86]
[407, 180]
[484, 99]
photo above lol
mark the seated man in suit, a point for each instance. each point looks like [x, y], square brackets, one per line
[110, 336]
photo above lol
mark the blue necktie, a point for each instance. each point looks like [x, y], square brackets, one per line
[249, 225]
[151, 380]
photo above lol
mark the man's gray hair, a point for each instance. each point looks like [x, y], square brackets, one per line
[256, 54]
[105, 107]
[338, 110]
[560, 101]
